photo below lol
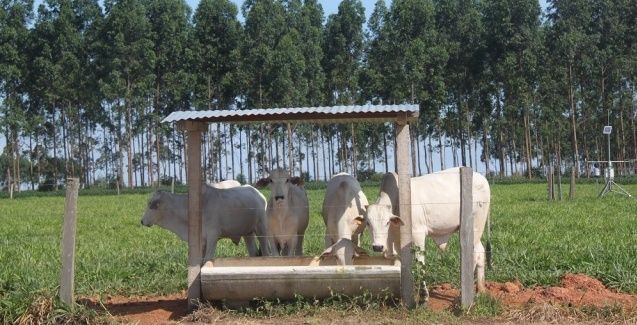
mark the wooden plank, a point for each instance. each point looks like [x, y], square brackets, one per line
[403, 159]
[67, 275]
[195, 247]
[467, 289]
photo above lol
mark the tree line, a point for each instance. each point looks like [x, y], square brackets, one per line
[84, 86]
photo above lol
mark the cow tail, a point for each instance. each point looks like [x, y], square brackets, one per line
[488, 248]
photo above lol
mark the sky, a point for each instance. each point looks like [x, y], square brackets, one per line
[330, 6]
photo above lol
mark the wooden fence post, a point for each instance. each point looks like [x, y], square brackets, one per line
[67, 275]
[466, 237]
[551, 195]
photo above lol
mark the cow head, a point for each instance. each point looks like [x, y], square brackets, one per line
[279, 183]
[379, 219]
[151, 214]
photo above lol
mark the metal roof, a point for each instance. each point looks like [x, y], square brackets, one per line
[333, 114]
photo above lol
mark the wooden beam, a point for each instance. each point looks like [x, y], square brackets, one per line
[67, 276]
[195, 220]
[467, 290]
[403, 160]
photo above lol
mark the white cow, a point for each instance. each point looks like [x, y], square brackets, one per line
[288, 213]
[344, 211]
[435, 213]
[227, 213]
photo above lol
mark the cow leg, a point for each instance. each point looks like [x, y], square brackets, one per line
[419, 244]
[275, 246]
[251, 244]
[285, 249]
[328, 241]
[479, 257]
[210, 249]
[291, 246]
[344, 252]
[299, 246]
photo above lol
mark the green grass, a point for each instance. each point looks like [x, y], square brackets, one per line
[534, 241]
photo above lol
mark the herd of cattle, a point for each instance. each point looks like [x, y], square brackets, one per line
[232, 211]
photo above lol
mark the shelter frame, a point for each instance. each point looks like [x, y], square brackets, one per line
[194, 123]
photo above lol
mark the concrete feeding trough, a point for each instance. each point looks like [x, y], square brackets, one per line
[239, 280]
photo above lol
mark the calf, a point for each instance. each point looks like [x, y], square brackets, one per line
[288, 213]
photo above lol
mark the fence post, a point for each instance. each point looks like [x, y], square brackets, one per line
[551, 195]
[466, 237]
[67, 275]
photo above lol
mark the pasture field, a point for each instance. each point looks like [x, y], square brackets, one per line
[533, 240]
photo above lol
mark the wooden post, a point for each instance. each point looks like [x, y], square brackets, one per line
[466, 237]
[403, 162]
[549, 180]
[67, 274]
[195, 220]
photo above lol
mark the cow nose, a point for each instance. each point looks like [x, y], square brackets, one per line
[377, 248]
[279, 197]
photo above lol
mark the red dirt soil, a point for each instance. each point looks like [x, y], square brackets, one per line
[574, 290]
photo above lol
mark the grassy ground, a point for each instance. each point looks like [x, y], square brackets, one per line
[534, 241]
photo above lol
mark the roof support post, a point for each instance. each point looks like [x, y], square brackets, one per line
[403, 161]
[195, 219]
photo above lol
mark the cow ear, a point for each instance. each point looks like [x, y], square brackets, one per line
[298, 181]
[154, 204]
[359, 220]
[396, 221]
[262, 182]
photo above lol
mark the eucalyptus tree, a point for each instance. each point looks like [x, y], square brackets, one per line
[609, 96]
[375, 79]
[171, 37]
[571, 42]
[512, 41]
[417, 62]
[343, 50]
[14, 19]
[129, 69]
[264, 49]
[460, 25]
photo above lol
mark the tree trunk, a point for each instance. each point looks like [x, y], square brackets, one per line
[354, 152]
[559, 167]
[129, 135]
[413, 139]
[290, 149]
[527, 143]
[249, 152]
[442, 152]
[232, 150]
[385, 152]
[571, 93]
[219, 147]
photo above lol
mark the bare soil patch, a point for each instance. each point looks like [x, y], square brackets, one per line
[574, 290]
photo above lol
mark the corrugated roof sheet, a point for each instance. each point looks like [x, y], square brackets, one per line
[365, 112]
